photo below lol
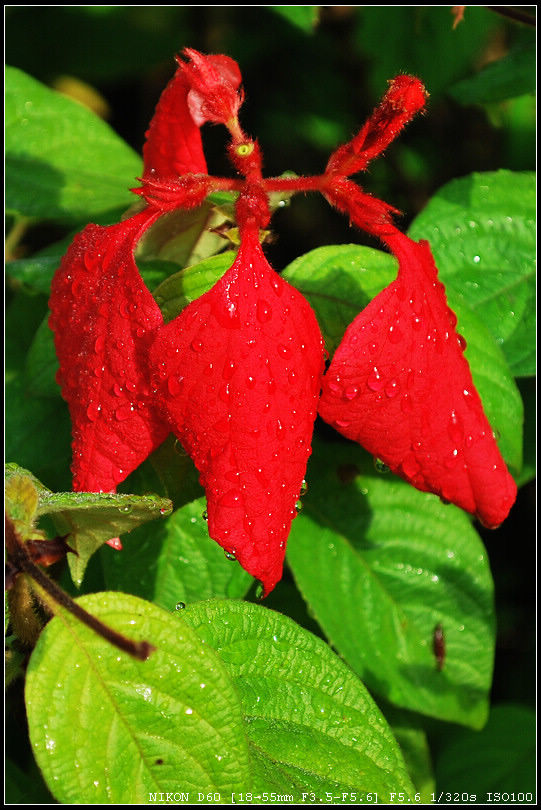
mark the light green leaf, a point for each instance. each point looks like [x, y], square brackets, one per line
[380, 564]
[311, 724]
[482, 232]
[169, 724]
[176, 292]
[339, 281]
[62, 161]
[303, 17]
[175, 561]
[91, 519]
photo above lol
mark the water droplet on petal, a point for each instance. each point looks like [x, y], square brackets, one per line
[197, 345]
[350, 392]
[123, 412]
[231, 498]
[375, 382]
[93, 411]
[455, 428]
[99, 344]
[392, 389]
[230, 555]
[174, 385]
[263, 311]
[229, 370]
[341, 423]
[461, 341]
[406, 404]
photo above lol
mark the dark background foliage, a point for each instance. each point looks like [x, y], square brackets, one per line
[308, 88]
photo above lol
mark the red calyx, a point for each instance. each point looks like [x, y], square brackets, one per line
[239, 375]
[214, 82]
[103, 318]
[399, 384]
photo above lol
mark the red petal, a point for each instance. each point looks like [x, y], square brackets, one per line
[400, 385]
[103, 318]
[240, 373]
[173, 146]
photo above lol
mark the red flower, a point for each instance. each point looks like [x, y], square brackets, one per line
[237, 375]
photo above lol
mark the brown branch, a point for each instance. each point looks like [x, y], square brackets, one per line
[514, 13]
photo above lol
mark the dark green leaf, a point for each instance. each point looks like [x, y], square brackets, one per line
[41, 364]
[513, 75]
[499, 758]
[482, 232]
[415, 39]
[62, 162]
[175, 561]
[380, 565]
[169, 724]
[38, 433]
[310, 723]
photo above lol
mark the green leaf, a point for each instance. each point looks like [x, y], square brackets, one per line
[175, 561]
[91, 519]
[415, 38]
[500, 758]
[482, 232]
[38, 433]
[499, 393]
[380, 564]
[36, 273]
[528, 392]
[25, 787]
[169, 724]
[339, 281]
[310, 723]
[183, 287]
[303, 17]
[184, 237]
[513, 75]
[42, 364]
[414, 745]
[62, 162]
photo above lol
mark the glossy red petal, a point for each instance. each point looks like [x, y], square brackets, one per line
[239, 372]
[103, 318]
[399, 384]
[173, 141]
